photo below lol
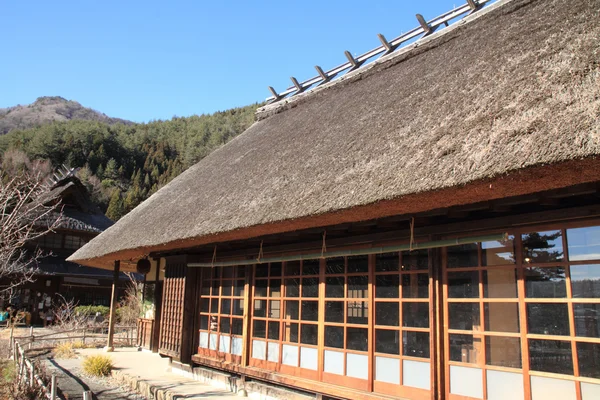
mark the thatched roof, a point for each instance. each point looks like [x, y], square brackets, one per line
[513, 89]
[77, 211]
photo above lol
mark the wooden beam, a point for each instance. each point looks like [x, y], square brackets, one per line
[473, 5]
[113, 305]
[274, 93]
[298, 86]
[426, 28]
[388, 47]
[355, 64]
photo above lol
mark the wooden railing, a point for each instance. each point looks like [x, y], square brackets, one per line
[26, 373]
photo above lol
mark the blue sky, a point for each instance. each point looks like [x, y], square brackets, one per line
[147, 60]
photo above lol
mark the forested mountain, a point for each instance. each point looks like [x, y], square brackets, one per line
[48, 109]
[124, 164]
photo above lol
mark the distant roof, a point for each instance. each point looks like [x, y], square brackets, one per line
[79, 213]
[509, 89]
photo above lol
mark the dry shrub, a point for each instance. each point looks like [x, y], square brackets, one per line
[97, 365]
[80, 345]
[64, 350]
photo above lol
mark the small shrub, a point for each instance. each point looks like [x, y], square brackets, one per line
[80, 345]
[98, 365]
[65, 350]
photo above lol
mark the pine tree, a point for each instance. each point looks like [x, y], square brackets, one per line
[115, 207]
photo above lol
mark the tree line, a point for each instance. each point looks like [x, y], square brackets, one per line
[122, 165]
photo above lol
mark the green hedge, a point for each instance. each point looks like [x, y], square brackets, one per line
[92, 310]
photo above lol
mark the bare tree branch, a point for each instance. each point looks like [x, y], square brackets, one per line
[24, 217]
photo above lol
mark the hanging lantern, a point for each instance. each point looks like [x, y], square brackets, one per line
[143, 266]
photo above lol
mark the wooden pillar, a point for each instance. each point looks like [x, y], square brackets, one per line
[158, 294]
[113, 304]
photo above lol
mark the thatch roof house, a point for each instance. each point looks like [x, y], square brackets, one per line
[489, 126]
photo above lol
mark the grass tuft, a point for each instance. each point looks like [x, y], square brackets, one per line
[64, 350]
[97, 365]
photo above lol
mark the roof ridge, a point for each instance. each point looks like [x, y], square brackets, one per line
[300, 91]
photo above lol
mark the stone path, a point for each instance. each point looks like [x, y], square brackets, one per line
[151, 375]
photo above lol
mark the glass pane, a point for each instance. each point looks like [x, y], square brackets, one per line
[225, 306]
[292, 287]
[545, 282]
[216, 286]
[357, 339]
[334, 311]
[550, 356]
[216, 272]
[214, 324]
[310, 310]
[240, 272]
[498, 252]
[214, 306]
[260, 308]
[275, 270]
[387, 341]
[227, 272]
[588, 355]
[274, 309]
[464, 316]
[291, 332]
[548, 318]
[415, 286]
[262, 270]
[500, 283]
[292, 310]
[204, 322]
[310, 287]
[387, 262]
[205, 288]
[503, 351]
[227, 289]
[309, 334]
[310, 267]
[238, 288]
[358, 312]
[463, 256]
[259, 328]
[541, 247]
[237, 326]
[386, 286]
[205, 305]
[225, 325]
[415, 315]
[358, 264]
[273, 330]
[416, 344]
[335, 265]
[585, 281]
[238, 307]
[501, 317]
[334, 286]
[358, 286]
[260, 289]
[465, 348]
[587, 319]
[334, 336]
[584, 243]
[387, 314]
[463, 285]
[275, 288]
[415, 260]
[292, 268]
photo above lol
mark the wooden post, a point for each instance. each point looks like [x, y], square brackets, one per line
[84, 332]
[53, 388]
[31, 374]
[113, 303]
[30, 337]
[87, 395]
